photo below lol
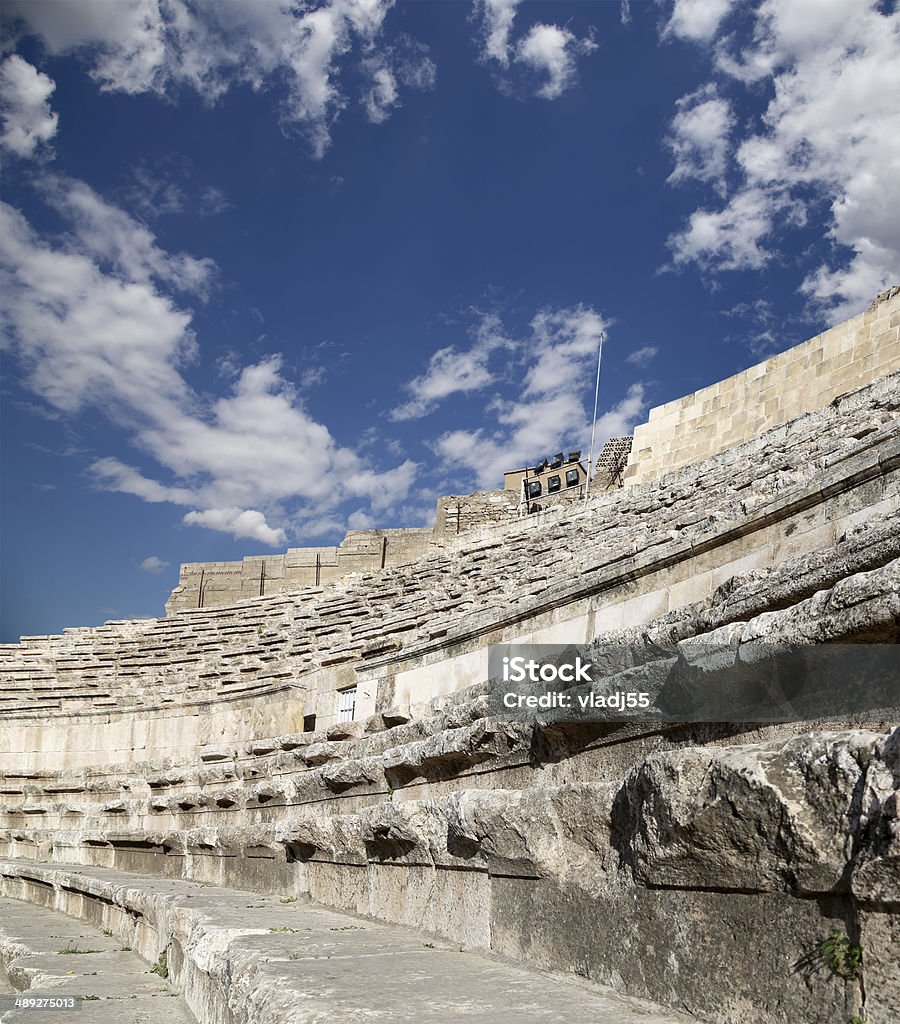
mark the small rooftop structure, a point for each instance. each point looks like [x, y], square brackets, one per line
[562, 475]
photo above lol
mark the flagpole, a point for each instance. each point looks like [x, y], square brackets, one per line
[587, 490]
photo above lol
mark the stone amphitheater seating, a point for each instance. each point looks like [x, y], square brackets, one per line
[145, 764]
[269, 643]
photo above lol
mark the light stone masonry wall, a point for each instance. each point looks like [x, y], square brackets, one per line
[216, 584]
[800, 380]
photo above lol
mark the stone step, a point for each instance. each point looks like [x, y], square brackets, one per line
[334, 624]
[67, 957]
[299, 963]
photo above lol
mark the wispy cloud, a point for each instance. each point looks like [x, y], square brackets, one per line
[550, 51]
[116, 240]
[452, 371]
[642, 356]
[547, 407]
[154, 565]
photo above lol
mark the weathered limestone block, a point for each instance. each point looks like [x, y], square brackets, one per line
[879, 938]
[259, 748]
[864, 605]
[310, 836]
[455, 749]
[225, 799]
[762, 818]
[276, 791]
[292, 741]
[414, 831]
[322, 753]
[876, 874]
[220, 772]
[561, 831]
[358, 771]
[398, 714]
[216, 753]
[345, 731]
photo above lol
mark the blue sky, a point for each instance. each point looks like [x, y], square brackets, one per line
[273, 270]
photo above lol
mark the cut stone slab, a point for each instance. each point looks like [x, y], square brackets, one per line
[299, 963]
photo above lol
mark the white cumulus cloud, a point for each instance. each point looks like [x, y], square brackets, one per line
[28, 121]
[697, 19]
[91, 324]
[829, 139]
[551, 51]
[242, 524]
[699, 137]
[138, 46]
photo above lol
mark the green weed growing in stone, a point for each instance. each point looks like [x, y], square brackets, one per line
[841, 956]
[282, 929]
[70, 950]
[161, 967]
[289, 899]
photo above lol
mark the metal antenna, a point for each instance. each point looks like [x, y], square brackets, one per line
[587, 490]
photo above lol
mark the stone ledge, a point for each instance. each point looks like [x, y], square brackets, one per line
[242, 958]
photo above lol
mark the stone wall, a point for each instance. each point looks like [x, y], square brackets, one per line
[214, 584]
[461, 513]
[799, 380]
[217, 584]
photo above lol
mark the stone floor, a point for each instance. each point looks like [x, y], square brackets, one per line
[315, 966]
[117, 984]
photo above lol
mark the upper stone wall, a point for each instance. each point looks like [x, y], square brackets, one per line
[215, 584]
[800, 380]
[218, 584]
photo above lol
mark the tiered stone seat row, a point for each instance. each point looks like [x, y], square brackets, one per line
[268, 643]
[503, 834]
[366, 760]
